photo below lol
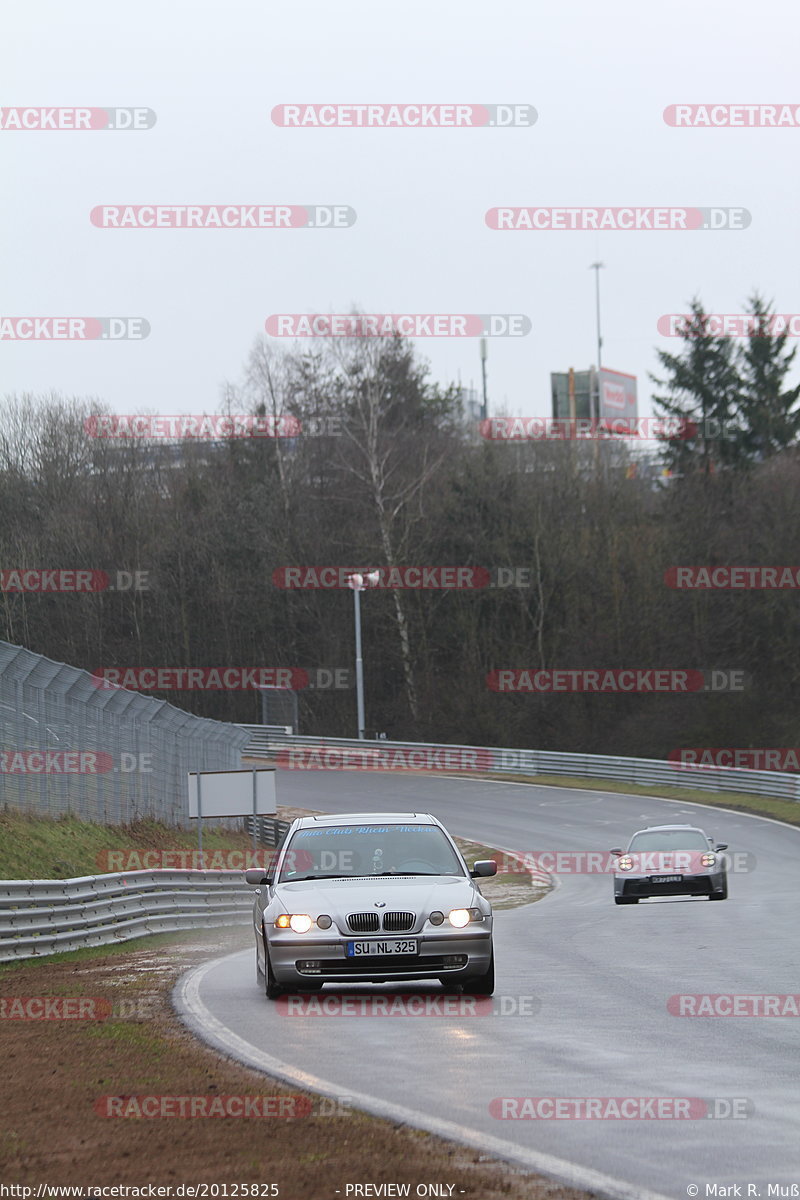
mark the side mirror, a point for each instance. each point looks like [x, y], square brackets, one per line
[722, 846]
[483, 869]
[256, 876]
[616, 851]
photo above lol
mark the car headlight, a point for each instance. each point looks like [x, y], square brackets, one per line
[459, 917]
[625, 863]
[436, 918]
[299, 922]
[709, 860]
[324, 921]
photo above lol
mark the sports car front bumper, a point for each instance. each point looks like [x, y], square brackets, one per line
[642, 886]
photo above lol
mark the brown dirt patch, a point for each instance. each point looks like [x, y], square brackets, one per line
[55, 1070]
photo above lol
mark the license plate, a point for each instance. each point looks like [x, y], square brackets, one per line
[355, 949]
[666, 879]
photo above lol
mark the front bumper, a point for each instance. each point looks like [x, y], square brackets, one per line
[460, 955]
[641, 886]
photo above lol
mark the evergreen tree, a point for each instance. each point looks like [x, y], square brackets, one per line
[768, 412]
[702, 390]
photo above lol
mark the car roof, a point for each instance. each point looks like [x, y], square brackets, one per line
[668, 828]
[367, 818]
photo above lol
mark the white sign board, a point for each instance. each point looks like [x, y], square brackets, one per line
[233, 793]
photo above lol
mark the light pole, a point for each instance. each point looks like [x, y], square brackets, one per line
[358, 583]
[596, 268]
[485, 404]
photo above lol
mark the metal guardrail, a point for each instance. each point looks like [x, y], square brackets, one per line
[269, 830]
[260, 736]
[309, 753]
[47, 916]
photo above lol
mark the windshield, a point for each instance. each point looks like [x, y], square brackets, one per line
[357, 850]
[674, 839]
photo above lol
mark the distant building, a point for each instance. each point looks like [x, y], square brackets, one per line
[593, 395]
[470, 403]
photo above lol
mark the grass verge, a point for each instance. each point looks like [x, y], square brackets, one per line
[64, 847]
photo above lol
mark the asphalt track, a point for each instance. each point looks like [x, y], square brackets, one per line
[600, 976]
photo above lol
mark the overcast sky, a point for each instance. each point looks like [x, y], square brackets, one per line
[598, 75]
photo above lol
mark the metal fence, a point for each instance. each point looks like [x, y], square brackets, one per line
[46, 916]
[103, 754]
[309, 753]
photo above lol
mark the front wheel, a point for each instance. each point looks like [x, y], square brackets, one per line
[272, 988]
[723, 895]
[626, 899]
[484, 984]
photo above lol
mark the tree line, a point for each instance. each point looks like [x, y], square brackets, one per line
[390, 474]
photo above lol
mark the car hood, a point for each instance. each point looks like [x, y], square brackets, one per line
[408, 893]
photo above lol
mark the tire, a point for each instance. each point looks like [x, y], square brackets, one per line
[723, 895]
[272, 988]
[626, 899]
[482, 985]
[259, 972]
